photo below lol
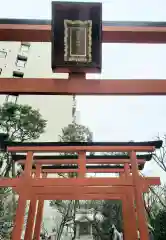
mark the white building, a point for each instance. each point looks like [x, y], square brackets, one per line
[33, 60]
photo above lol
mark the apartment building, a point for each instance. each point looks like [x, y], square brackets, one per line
[33, 60]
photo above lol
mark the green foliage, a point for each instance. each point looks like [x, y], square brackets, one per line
[6, 213]
[154, 201]
[160, 225]
[112, 212]
[76, 133]
[21, 122]
[155, 206]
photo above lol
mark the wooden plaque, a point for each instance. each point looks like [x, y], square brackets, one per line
[76, 37]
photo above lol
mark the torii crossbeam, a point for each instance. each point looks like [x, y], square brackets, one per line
[123, 32]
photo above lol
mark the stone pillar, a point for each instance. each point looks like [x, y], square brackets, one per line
[91, 230]
[77, 230]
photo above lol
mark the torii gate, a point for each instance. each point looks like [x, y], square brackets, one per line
[128, 187]
[70, 164]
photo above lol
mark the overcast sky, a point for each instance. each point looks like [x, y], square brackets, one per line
[117, 118]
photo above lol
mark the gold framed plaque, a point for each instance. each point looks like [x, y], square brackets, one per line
[78, 41]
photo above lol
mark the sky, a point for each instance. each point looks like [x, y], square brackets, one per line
[118, 118]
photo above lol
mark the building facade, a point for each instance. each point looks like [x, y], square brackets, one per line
[33, 60]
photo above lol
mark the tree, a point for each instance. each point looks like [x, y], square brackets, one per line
[160, 226]
[154, 200]
[76, 133]
[6, 213]
[155, 205]
[160, 155]
[21, 123]
[112, 212]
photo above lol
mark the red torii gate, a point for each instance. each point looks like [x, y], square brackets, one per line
[127, 187]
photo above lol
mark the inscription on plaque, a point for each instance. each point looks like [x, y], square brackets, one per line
[78, 41]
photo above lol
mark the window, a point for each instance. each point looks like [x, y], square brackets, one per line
[3, 54]
[26, 44]
[24, 49]
[21, 61]
[17, 74]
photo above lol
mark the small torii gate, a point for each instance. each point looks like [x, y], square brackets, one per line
[128, 187]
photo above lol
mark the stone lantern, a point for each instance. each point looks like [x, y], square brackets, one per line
[84, 228]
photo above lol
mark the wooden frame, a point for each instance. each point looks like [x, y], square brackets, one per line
[128, 187]
[80, 86]
[124, 32]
